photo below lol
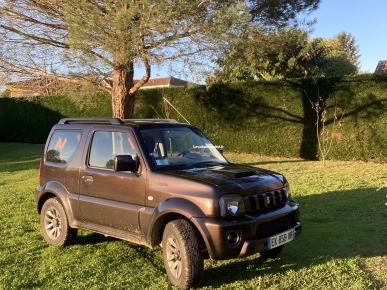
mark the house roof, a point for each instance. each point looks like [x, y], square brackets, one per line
[165, 82]
[155, 83]
[35, 84]
[381, 67]
[30, 83]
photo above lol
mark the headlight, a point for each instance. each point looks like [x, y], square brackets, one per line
[288, 191]
[231, 205]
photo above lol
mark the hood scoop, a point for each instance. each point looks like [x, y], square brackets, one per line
[244, 174]
[236, 174]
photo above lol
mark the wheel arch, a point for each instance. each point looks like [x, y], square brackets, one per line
[173, 209]
[55, 189]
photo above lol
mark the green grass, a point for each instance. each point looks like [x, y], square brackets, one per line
[343, 244]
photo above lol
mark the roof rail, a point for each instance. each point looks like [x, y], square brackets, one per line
[151, 120]
[113, 121]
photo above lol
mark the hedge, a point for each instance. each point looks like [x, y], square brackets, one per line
[272, 118]
[30, 120]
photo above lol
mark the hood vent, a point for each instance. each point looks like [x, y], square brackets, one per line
[244, 174]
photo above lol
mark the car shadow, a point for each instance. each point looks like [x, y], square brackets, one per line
[93, 238]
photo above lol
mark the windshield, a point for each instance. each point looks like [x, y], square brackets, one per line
[180, 147]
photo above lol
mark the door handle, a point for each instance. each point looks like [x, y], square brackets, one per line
[88, 179]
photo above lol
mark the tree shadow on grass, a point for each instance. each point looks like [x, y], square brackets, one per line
[336, 225]
[17, 157]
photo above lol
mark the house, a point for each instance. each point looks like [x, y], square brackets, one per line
[32, 88]
[164, 83]
[47, 86]
[156, 83]
[381, 67]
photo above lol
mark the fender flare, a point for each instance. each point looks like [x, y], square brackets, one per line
[168, 210]
[55, 189]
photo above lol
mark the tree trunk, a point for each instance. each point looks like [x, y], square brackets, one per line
[122, 99]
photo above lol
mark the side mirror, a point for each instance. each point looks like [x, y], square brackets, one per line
[125, 163]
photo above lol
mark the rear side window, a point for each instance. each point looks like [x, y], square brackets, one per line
[63, 145]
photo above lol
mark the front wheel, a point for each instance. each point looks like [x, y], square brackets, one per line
[271, 253]
[54, 224]
[183, 258]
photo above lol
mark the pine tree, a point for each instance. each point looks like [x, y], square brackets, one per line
[79, 40]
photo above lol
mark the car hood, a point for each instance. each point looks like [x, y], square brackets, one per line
[233, 178]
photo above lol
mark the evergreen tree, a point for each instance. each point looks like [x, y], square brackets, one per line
[285, 53]
[86, 40]
[348, 45]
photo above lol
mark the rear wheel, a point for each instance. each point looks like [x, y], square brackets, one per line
[54, 224]
[183, 258]
[271, 253]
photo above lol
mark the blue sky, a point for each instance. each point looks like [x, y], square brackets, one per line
[365, 19]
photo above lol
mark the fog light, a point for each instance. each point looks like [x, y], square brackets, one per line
[233, 239]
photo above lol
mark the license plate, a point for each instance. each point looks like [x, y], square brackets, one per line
[280, 239]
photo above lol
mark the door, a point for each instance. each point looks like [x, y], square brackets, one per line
[110, 198]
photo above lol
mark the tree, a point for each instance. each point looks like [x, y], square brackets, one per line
[347, 44]
[91, 40]
[262, 55]
[285, 53]
[329, 58]
[280, 13]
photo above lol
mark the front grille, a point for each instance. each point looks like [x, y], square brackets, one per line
[261, 201]
[275, 226]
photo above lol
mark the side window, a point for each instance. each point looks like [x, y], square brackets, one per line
[63, 145]
[106, 145]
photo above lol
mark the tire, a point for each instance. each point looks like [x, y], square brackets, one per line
[54, 224]
[271, 253]
[182, 253]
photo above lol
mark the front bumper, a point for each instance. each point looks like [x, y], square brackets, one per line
[251, 232]
[254, 246]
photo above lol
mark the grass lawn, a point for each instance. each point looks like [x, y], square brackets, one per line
[343, 244]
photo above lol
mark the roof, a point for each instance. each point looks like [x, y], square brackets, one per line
[28, 83]
[39, 86]
[33, 87]
[165, 82]
[157, 83]
[381, 67]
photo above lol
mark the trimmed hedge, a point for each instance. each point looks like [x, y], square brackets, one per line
[30, 120]
[276, 118]
[273, 118]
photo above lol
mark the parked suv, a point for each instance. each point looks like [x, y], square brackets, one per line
[160, 182]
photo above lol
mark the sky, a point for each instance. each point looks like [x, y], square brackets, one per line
[365, 20]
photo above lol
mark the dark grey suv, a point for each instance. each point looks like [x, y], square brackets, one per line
[160, 182]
